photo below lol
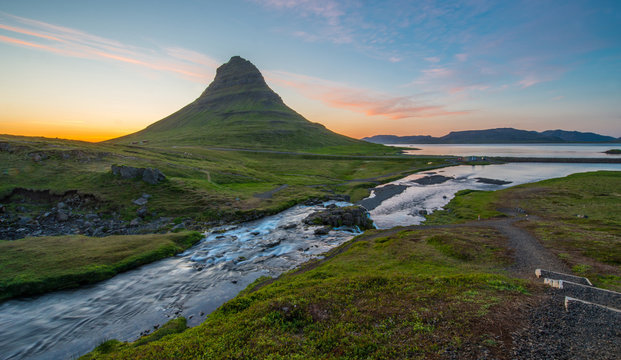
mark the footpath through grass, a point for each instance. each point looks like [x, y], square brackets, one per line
[36, 265]
[577, 217]
[412, 294]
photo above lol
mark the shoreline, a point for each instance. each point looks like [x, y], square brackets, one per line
[558, 160]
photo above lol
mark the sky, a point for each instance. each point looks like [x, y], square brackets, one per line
[94, 70]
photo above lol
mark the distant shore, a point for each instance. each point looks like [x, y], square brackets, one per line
[558, 160]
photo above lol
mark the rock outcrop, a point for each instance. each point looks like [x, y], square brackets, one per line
[148, 175]
[333, 216]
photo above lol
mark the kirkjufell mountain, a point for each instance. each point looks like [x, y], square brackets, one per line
[239, 110]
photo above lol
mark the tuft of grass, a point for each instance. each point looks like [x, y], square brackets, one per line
[174, 326]
[467, 205]
[36, 265]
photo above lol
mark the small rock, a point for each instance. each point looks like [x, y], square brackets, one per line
[140, 201]
[62, 216]
[178, 227]
[422, 212]
[323, 230]
[142, 212]
[61, 205]
[146, 196]
[289, 226]
[23, 220]
[135, 222]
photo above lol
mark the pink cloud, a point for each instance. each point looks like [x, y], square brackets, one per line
[433, 59]
[461, 57]
[75, 43]
[363, 101]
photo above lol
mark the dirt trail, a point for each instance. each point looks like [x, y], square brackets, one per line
[529, 254]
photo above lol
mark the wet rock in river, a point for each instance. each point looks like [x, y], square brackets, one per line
[349, 216]
[323, 230]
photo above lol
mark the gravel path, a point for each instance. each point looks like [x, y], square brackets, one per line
[548, 332]
[586, 332]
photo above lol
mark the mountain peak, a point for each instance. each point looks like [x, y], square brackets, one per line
[238, 79]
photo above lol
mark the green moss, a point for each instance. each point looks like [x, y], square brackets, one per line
[403, 299]
[33, 266]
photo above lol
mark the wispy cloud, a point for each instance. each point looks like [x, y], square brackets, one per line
[328, 9]
[70, 42]
[359, 100]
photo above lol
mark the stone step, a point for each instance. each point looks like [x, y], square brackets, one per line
[587, 293]
[560, 276]
[573, 304]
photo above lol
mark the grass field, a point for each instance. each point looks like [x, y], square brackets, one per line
[202, 183]
[411, 294]
[36, 265]
[429, 293]
[577, 217]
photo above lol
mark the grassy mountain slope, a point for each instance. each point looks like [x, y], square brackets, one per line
[239, 110]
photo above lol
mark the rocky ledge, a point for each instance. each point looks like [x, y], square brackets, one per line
[333, 216]
[148, 175]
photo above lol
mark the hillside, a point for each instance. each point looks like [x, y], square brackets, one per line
[496, 136]
[239, 110]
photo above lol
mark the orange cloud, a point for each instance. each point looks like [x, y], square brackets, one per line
[363, 101]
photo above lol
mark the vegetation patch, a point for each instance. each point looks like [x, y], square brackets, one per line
[37, 265]
[467, 205]
[577, 217]
[382, 295]
[203, 183]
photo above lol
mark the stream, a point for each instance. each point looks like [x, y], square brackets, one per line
[67, 324]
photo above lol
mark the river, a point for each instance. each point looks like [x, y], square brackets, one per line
[66, 324]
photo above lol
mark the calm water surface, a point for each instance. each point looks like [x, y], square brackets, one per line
[405, 208]
[516, 150]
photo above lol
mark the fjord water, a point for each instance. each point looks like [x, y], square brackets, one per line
[408, 206]
[516, 150]
[66, 324]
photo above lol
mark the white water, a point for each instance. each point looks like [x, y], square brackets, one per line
[66, 324]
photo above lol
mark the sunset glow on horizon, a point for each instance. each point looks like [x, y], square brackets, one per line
[98, 70]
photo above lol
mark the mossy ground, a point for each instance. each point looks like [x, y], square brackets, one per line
[409, 294]
[577, 217]
[36, 265]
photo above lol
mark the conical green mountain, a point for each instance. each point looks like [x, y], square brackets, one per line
[239, 110]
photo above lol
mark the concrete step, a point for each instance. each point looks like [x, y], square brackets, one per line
[590, 294]
[573, 304]
[560, 276]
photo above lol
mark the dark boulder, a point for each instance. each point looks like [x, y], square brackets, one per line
[344, 216]
[148, 175]
[152, 176]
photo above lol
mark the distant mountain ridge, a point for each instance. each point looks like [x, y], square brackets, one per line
[239, 110]
[496, 136]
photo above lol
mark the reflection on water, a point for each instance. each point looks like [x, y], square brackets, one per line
[409, 206]
[63, 324]
[515, 150]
